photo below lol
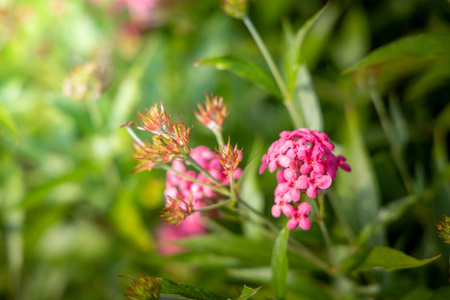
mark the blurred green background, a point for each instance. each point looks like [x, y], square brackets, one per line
[73, 217]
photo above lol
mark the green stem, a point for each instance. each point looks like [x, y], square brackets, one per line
[292, 244]
[201, 169]
[214, 206]
[219, 138]
[388, 129]
[272, 66]
[134, 136]
[325, 234]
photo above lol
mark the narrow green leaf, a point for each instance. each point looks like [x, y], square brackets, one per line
[422, 46]
[245, 69]
[294, 49]
[251, 192]
[248, 292]
[308, 100]
[391, 259]
[279, 264]
[170, 288]
[7, 122]
[399, 123]
[359, 187]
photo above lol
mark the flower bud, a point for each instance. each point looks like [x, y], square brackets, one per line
[235, 8]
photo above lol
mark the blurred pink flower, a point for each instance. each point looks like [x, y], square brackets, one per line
[181, 187]
[140, 10]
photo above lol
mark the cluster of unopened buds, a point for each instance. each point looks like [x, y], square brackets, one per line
[196, 177]
[305, 164]
[443, 227]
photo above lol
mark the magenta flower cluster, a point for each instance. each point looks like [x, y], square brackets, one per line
[305, 163]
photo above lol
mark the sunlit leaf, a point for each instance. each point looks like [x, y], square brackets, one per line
[245, 69]
[358, 187]
[251, 192]
[279, 264]
[422, 46]
[391, 259]
[308, 101]
[248, 292]
[293, 54]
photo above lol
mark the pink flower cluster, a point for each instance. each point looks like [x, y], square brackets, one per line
[305, 163]
[177, 185]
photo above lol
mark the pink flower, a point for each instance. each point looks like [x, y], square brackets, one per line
[305, 163]
[300, 217]
[180, 187]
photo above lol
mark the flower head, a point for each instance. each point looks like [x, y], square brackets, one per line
[444, 228]
[213, 114]
[305, 163]
[235, 8]
[229, 158]
[177, 209]
[144, 287]
[155, 121]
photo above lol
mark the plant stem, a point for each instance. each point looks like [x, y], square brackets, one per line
[272, 66]
[219, 138]
[388, 129]
[325, 234]
[292, 244]
[134, 136]
[214, 206]
[201, 169]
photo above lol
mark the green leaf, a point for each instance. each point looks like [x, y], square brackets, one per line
[249, 252]
[248, 292]
[308, 100]
[391, 259]
[251, 192]
[386, 215]
[279, 264]
[293, 57]
[170, 288]
[359, 187]
[443, 293]
[422, 46]
[399, 123]
[245, 69]
[7, 122]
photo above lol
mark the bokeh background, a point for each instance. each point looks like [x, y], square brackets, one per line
[72, 215]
